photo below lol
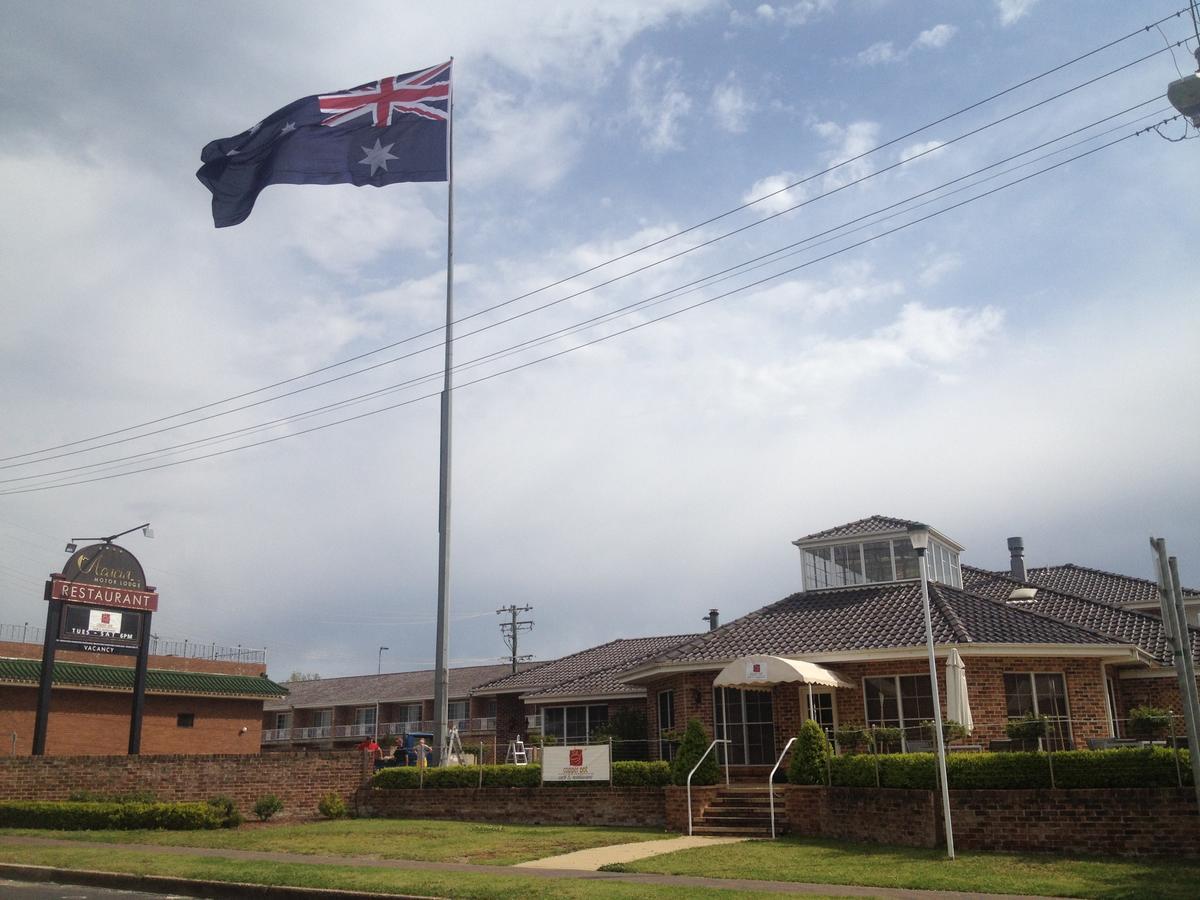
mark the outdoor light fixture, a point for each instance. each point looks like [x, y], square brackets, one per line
[1184, 94]
[379, 668]
[71, 547]
[918, 536]
[147, 531]
[145, 528]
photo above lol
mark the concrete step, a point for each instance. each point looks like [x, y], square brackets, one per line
[735, 831]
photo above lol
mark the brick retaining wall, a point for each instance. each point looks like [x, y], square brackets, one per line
[300, 780]
[629, 806]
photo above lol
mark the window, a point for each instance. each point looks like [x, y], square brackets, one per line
[573, 724]
[877, 560]
[1041, 694]
[898, 701]
[822, 712]
[906, 560]
[185, 720]
[364, 720]
[749, 718]
[283, 721]
[408, 713]
[457, 709]
[871, 562]
[322, 718]
[666, 723]
[489, 708]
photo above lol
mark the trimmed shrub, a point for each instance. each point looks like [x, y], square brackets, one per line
[227, 809]
[406, 777]
[1118, 768]
[90, 815]
[886, 739]
[100, 797]
[1149, 721]
[1030, 728]
[810, 756]
[267, 806]
[641, 774]
[332, 806]
[695, 742]
[850, 740]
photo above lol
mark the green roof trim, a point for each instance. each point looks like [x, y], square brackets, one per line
[158, 681]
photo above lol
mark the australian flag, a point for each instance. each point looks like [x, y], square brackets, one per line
[391, 130]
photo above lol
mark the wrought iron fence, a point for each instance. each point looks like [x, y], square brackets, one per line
[189, 649]
[22, 634]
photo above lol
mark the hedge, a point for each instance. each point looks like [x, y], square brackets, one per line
[89, 815]
[1119, 768]
[625, 774]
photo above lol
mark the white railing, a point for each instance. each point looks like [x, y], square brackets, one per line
[270, 735]
[312, 733]
[360, 730]
[693, 772]
[771, 782]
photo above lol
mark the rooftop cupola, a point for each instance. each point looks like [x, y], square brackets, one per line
[872, 551]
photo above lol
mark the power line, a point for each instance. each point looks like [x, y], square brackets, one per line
[602, 338]
[672, 293]
[9, 463]
[632, 252]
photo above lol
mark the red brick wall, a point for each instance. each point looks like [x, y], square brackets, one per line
[575, 805]
[1162, 692]
[1142, 822]
[907, 818]
[300, 780]
[84, 722]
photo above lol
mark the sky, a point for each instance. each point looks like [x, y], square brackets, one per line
[963, 323]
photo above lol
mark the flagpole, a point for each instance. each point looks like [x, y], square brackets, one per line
[441, 685]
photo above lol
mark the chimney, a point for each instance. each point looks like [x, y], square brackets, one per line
[1016, 563]
[711, 619]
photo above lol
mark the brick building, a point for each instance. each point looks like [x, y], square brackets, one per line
[1077, 645]
[197, 706]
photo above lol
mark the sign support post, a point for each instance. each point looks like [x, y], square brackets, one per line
[53, 615]
[139, 689]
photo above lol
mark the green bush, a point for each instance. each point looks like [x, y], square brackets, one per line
[849, 740]
[1149, 721]
[406, 777]
[691, 748]
[641, 774]
[227, 809]
[1029, 728]
[810, 755]
[1119, 768]
[332, 806]
[267, 806]
[91, 815]
[100, 797]
[886, 739]
[951, 731]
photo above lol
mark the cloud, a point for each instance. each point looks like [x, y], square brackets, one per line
[505, 127]
[923, 149]
[731, 106]
[1013, 10]
[658, 102]
[846, 143]
[883, 52]
[790, 15]
[773, 189]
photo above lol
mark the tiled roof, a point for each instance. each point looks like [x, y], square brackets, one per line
[869, 525]
[594, 666]
[1098, 585]
[158, 681]
[1127, 625]
[391, 687]
[881, 616]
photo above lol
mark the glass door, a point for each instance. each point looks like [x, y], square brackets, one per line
[750, 721]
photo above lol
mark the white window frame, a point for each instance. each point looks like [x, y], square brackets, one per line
[587, 718]
[832, 694]
[905, 723]
[1033, 693]
[323, 718]
[658, 699]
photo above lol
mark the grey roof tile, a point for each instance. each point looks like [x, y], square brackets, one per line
[869, 525]
[1098, 584]
[391, 687]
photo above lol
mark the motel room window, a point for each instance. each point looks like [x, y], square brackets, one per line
[408, 713]
[898, 701]
[573, 724]
[666, 724]
[457, 710]
[283, 721]
[1041, 694]
[322, 718]
[364, 720]
[185, 720]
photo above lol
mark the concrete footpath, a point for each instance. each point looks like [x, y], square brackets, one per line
[198, 888]
[592, 859]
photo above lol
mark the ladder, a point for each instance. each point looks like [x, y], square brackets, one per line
[454, 748]
[516, 752]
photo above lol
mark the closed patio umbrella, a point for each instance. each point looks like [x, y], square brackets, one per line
[958, 707]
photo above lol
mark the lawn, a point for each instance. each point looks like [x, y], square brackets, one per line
[420, 839]
[467, 885]
[829, 862]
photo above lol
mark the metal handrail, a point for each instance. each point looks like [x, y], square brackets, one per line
[693, 772]
[771, 782]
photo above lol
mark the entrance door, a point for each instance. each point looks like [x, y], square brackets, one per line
[751, 725]
[822, 709]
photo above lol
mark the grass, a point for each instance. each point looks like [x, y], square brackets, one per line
[467, 885]
[420, 839]
[830, 862]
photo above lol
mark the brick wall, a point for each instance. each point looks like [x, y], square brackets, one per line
[1129, 822]
[574, 805]
[300, 780]
[907, 818]
[95, 722]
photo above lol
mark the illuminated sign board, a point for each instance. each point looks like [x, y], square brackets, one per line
[99, 630]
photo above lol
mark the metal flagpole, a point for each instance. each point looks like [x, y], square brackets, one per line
[441, 684]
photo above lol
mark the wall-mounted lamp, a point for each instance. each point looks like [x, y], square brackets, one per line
[696, 696]
[244, 730]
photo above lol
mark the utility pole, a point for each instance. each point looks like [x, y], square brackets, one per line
[513, 628]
